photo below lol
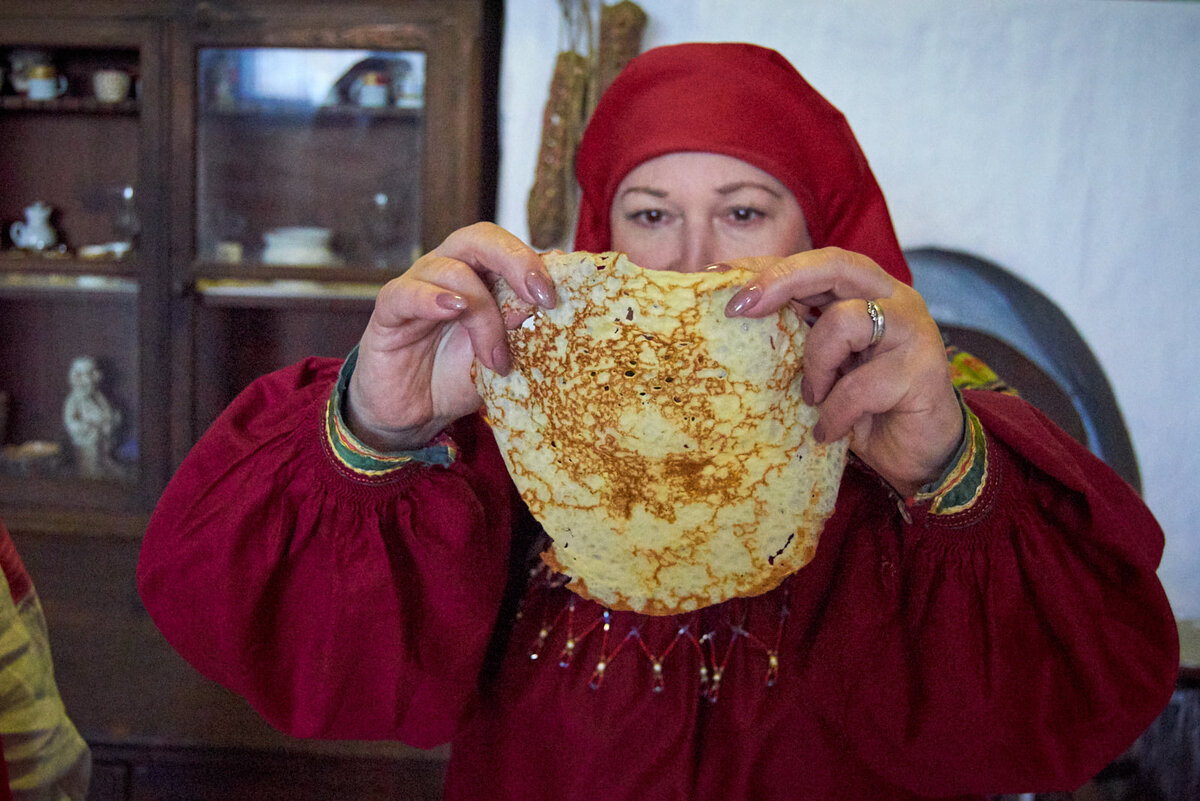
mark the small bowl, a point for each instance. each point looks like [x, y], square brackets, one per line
[299, 236]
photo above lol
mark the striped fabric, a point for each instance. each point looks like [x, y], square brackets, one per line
[44, 755]
[962, 484]
[362, 460]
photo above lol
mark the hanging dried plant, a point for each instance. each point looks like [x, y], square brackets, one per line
[550, 198]
[588, 62]
[621, 28]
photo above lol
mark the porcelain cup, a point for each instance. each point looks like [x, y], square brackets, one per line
[372, 92]
[45, 83]
[110, 86]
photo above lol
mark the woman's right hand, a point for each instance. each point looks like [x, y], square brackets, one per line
[413, 376]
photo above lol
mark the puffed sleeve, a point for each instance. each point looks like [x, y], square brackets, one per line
[1016, 643]
[339, 604]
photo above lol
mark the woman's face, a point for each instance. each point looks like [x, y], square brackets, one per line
[685, 211]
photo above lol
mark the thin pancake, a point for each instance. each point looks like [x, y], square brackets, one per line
[663, 446]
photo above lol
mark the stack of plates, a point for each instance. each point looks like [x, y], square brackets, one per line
[302, 245]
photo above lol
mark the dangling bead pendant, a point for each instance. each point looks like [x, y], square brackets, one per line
[712, 638]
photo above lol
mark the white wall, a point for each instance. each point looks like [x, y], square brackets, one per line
[1058, 138]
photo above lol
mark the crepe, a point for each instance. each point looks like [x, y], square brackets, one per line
[663, 446]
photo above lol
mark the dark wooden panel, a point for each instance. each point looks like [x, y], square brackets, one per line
[110, 779]
[160, 729]
[236, 345]
[166, 774]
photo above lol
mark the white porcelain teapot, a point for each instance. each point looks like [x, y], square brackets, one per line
[35, 232]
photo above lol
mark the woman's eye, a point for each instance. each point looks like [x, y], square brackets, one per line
[648, 216]
[745, 214]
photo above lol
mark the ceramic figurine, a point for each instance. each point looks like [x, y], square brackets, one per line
[91, 421]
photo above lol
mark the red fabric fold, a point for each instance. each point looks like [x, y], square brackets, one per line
[1017, 646]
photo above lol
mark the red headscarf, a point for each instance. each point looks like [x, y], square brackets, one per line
[744, 101]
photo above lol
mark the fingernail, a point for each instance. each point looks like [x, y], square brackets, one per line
[451, 301]
[743, 300]
[719, 267]
[501, 361]
[542, 290]
[819, 432]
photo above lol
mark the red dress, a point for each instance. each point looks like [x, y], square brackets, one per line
[1017, 645]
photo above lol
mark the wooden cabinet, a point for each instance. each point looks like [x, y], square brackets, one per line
[273, 163]
[269, 166]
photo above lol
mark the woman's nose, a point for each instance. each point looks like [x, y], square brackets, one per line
[699, 248]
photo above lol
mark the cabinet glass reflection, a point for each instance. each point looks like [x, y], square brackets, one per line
[295, 149]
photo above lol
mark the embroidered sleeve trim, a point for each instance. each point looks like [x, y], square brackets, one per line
[359, 458]
[962, 484]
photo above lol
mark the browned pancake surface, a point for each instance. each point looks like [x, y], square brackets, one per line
[663, 446]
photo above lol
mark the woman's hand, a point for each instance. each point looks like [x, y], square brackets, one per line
[413, 375]
[894, 398]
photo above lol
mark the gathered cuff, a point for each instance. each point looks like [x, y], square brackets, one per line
[962, 484]
[359, 458]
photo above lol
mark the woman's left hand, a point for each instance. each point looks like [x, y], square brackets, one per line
[894, 398]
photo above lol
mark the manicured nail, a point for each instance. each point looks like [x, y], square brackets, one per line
[501, 361]
[743, 300]
[819, 432]
[451, 301]
[542, 290]
[719, 267]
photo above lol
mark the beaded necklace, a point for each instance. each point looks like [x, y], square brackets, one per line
[567, 621]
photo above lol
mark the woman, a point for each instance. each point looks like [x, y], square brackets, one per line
[982, 616]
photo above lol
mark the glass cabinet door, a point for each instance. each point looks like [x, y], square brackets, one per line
[309, 157]
[308, 197]
[317, 151]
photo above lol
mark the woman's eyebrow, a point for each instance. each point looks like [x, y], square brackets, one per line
[728, 189]
[646, 190]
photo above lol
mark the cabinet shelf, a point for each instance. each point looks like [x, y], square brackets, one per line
[54, 484]
[282, 293]
[257, 271]
[76, 105]
[308, 112]
[47, 287]
[21, 266]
